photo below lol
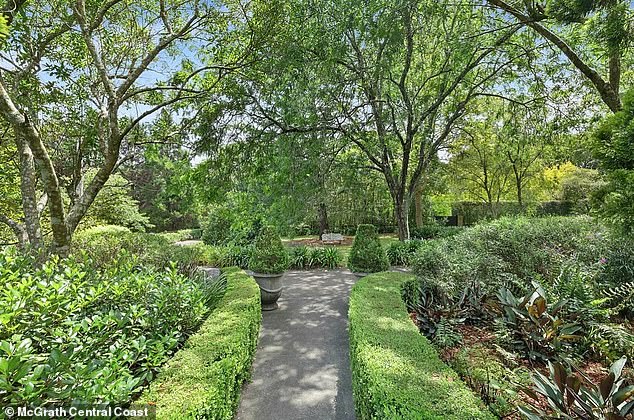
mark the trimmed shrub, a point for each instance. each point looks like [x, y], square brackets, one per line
[396, 372]
[475, 212]
[204, 379]
[269, 255]
[367, 255]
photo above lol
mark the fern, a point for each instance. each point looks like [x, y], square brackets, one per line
[622, 296]
[612, 341]
[446, 335]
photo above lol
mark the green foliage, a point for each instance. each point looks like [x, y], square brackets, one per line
[493, 379]
[114, 205]
[367, 255]
[535, 328]
[396, 372]
[302, 257]
[235, 255]
[578, 188]
[104, 244]
[88, 335]
[474, 212]
[488, 254]
[617, 267]
[402, 252]
[203, 380]
[217, 229]
[435, 231]
[477, 275]
[614, 141]
[299, 257]
[269, 255]
[570, 398]
[446, 334]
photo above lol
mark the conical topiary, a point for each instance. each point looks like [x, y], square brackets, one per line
[269, 255]
[367, 255]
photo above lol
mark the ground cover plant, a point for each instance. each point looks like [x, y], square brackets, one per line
[502, 300]
[72, 332]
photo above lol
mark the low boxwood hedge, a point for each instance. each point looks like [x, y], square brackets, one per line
[396, 372]
[203, 380]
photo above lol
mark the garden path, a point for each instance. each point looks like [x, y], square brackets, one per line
[302, 368]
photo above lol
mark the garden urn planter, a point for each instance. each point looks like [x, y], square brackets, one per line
[270, 289]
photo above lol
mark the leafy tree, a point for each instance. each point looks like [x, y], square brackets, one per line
[591, 34]
[79, 71]
[114, 205]
[384, 81]
[614, 142]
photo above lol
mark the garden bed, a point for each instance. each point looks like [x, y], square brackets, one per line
[516, 305]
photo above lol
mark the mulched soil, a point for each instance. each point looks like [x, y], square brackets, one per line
[312, 242]
[472, 335]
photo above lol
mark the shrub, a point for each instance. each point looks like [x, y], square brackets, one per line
[367, 254]
[217, 229]
[396, 372]
[402, 252]
[203, 380]
[329, 257]
[300, 257]
[236, 256]
[435, 231]
[510, 252]
[103, 245]
[269, 255]
[85, 335]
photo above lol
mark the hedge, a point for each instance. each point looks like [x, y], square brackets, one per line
[203, 380]
[396, 372]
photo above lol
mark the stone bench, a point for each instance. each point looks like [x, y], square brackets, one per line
[332, 238]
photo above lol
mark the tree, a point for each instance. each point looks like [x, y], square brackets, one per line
[91, 61]
[384, 81]
[614, 142]
[479, 163]
[602, 30]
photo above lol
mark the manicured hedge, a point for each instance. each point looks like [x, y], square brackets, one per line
[203, 380]
[396, 372]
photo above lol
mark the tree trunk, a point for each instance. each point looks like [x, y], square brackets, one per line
[323, 218]
[401, 210]
[29, 196]
[418, 203]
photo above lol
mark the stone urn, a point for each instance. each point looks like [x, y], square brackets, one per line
[267, 264]
[270, 289]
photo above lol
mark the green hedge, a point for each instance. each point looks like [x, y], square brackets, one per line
[396, 372]
[203, 380]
